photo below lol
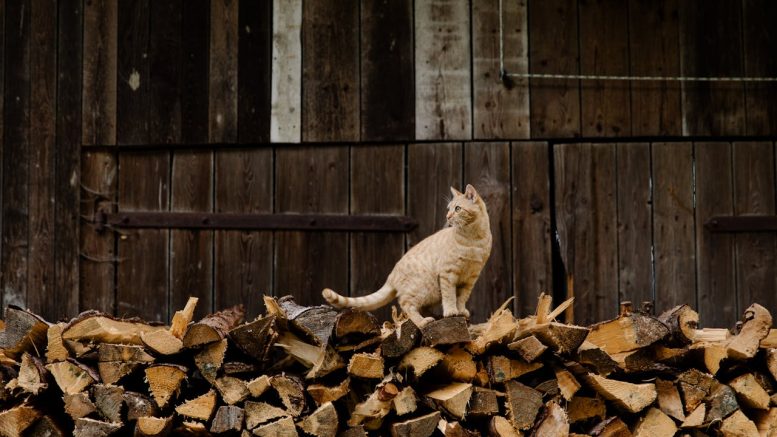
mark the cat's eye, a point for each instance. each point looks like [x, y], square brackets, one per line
[458, 208]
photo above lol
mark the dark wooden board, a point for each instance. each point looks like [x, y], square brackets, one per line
[223, 71]
[133, 98]
[654, 51]
[712, 108]
[195, 44]
[635, 264]
[587, 230]
[487, 168]
[387, 112]
[99, 72]
[714, 251]
[254, 69]
[330, 70]
[243, 260]
[754, 193]
[42, 295]
[604, 49]
[673, 225]
[377, 187]
[531, 233]
[553, 48]
[760, 45]
[311, 179]
[164, 60]
[16, 153]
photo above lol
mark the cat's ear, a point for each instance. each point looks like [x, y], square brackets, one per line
[455, 192]
[470, 193]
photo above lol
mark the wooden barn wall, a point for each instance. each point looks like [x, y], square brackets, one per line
[596, 189]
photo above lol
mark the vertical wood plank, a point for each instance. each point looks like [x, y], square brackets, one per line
[16, 153]
[587, 228]
[387, 112]
[311, 179]
[604, 49]
[330, 70]
[244, 260]
[553, 48]
[712, 108]
[42, 296]
[99, 72]
[443, 101]
[223, 71]
[500, 109]
[134, 80]
[195, 46]
[760, 44]
[654, 51]
[164, 62]
[635, 266]
[532, 268]
[487, 168]
[254, 71]
[714, 251]
[756, 253]
[377, 187]
[286, 100]
[673, 224]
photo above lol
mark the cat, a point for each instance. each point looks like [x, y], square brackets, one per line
[441, 268]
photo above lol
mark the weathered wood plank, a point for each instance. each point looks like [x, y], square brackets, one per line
[553, 48]
[377, 187]
[286, 100]
[195, 45]
[165, 79]
[654, 51]
[673, 224]
[330, 70]
[754, 186]
[604, 49]
[134, 80]
[222, 102]
[99, 72]
[387, 112]
[305, 263]
[532, 268]
[254, 70]
[487, 168]
[500, 109]
[760, 44]
[587, 229]
[635, 266]
[714, 251]
[443, 101]
[712, 108]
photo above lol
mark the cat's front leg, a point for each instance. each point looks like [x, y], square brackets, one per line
[448, 296]
[462, 296]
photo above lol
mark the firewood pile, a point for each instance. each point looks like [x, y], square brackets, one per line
[321, 372]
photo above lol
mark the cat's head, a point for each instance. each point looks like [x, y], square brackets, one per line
[465, 208]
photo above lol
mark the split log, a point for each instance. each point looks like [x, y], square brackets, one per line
[200, 408]
[86, 427]
[555, 421]
[595, 358]
[655, 424]
[682, 322]
[122, 352]
[109, 400]
[420, 360]
[483, 402]
[694, 386]
[13, 421]
[193, 429]
[24, 332]
[351, 325]
[258, 385]
[32, 375]
[280, 428]
[139, 405]
[454, 429]
[372, 411]
[499, 328]
[448, 330]
[611, 427]
[399, 340]
[453, 398]
[766, 422]
[227, 419]
[321, 360]
[164, 381]
[738, 425]
[523, 404]
[631, 397]
[365, 365]
[55, 349]
[627, 332]
[322, 422]
[529, 348]
[459, 365]
[354, 431]
[210, 359]
[405, 401]
[259, 413]
[78, 405]
[182, 318]
[582, 408]
[567, 384]
[422, 426]
[721, 402]
[669, 399]
[213, 327]
[94, 327]
[501, 427]
[696, 418]
[749, 392]
[45, 427]
[72, 377]
[291, 392]
[315, 323]
[153, 426]
[161, 342]
[233, 390]
[559, 337]
[256, 339]
[501, 368]
[112, 372]
[322, 394]
[239, 368]
[744, 345]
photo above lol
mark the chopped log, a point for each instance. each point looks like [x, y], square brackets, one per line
[258, 413]
[72, 377]
[213, 327]
[45, 427]
[611, 427]
[448, 330]
[501, 427]
[192, 428]
[372, 411]
[14, 420]
[559, 337]
[582, 408]
[420, 360]
[182, 318]
[592, 356]
[721, 402]
[669, 399]
[453, 398]
[322, 360]
[153, 426]
[365, 365]
[696, 418]
[749, 392]
[405, 401]
[770, 341]
[161, 342]
[227, 419]
[291, 392]
[399, 341]
[258, 385]
[280, 428]
[694, 386]
[766, 422]
[164, 381]
[682, 322]
[567, 384]
[631, 397]
[529, 348]
[352, 324]
[200, 408]
[32, 375]
[122, 352]
[744, 345]
[322, 394]
[627, 333]
[738, 425]
[112, 372]
[454, 429]
[233, 390]
[499, 328]
[95, 327]
[79, 405]
[24, 332]
[422, 426]
[316, 323]
[210, 359]
[483, 402]
[354, 431]
[86, 427]
[714, 354]
[322, 422]
[655, 424]
[139, 405]
[109, 400]
[501, 368]
[554, 422]
[256, 338]
[239, 367]
[771, 361]
[459, 365]
[523, 404]
[55, 350]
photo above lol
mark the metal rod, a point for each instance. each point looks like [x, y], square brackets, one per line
[745, 223]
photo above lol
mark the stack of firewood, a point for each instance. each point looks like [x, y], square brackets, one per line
[321, 372]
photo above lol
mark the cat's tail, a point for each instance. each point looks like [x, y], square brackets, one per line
[367, 303]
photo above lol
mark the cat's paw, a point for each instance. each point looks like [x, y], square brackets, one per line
[464, 312]
[452, 313]
[425, 321]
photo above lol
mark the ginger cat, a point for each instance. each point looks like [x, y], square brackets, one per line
[441, 268]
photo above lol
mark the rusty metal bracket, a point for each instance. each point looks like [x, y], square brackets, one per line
[743, 223]
[269, 222]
